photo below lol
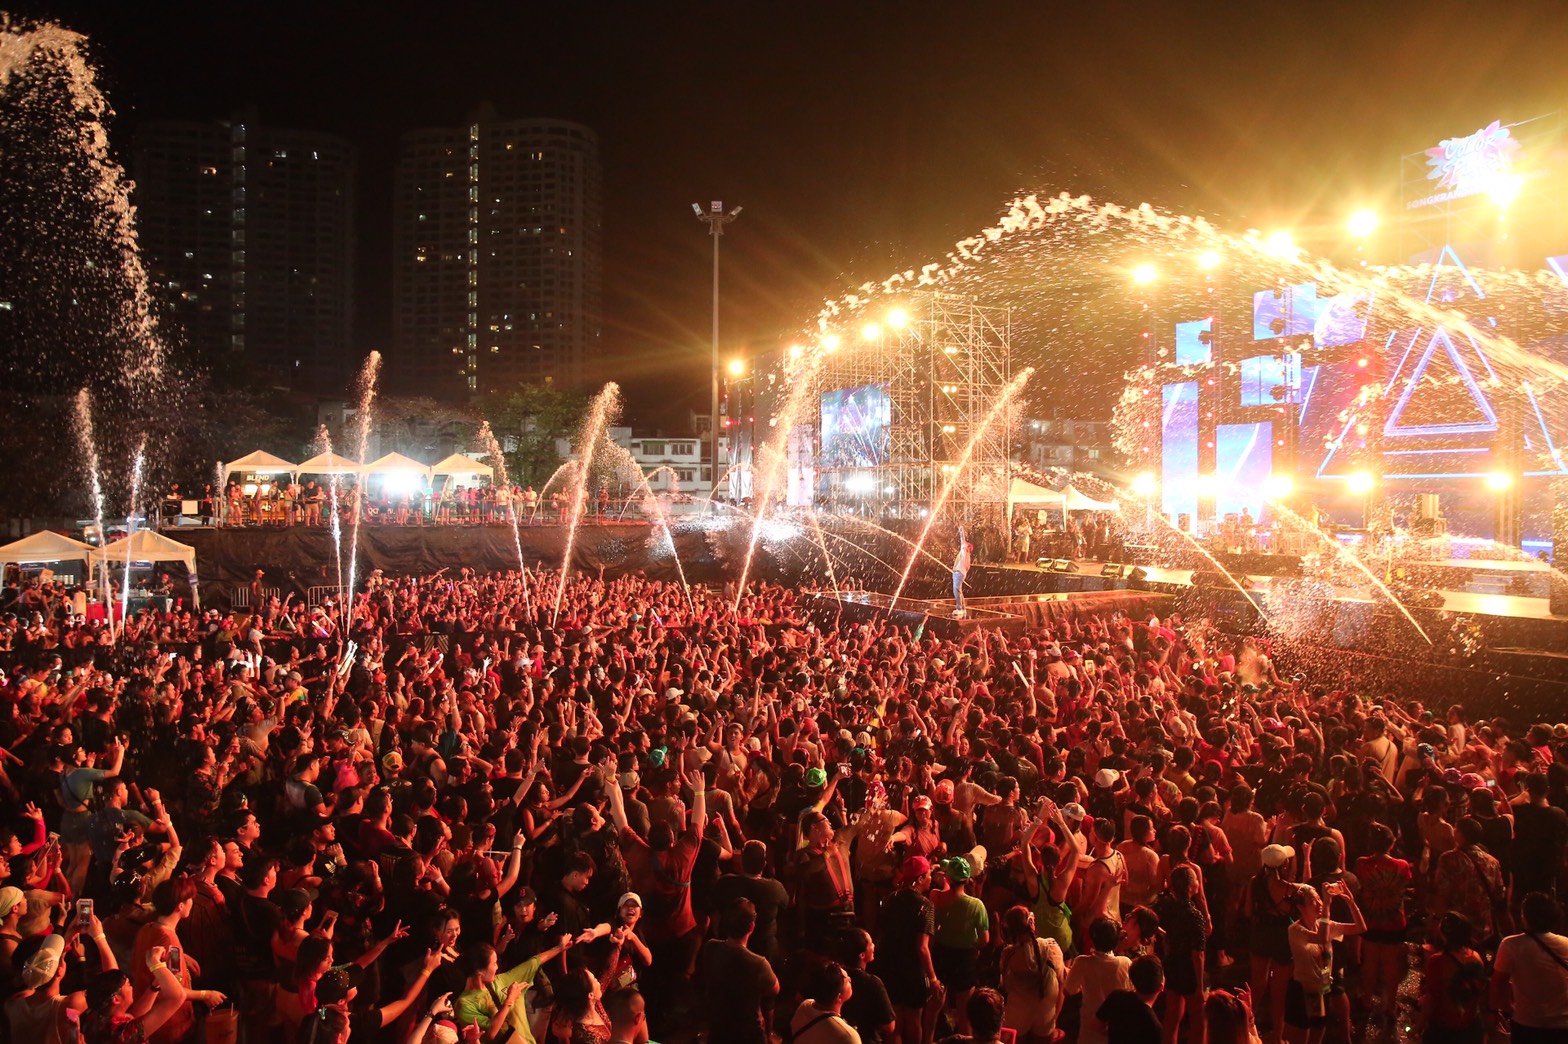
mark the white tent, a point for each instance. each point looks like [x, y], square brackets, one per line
[329, 464]
[395, 464]
[1026, 494]
[1076, 500]
[144, 546]
[259, 463]
[46, 546]
[460, 466]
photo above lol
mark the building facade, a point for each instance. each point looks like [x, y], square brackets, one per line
[248, 235]
[497, 241]
[1073, 445]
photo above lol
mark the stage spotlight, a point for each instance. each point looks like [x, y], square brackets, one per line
[1145, 274]
[830, 342]
[1498, 480]
[1208, 486]
[1360, 482]
[1278, 487]
[898, 318]
[1504, 189]
[1280, 244]
[796, 351]
[1209, 259]
[737, 367]
[1145, 484]
[1063, 565]
[1362, 223]
[871, 332]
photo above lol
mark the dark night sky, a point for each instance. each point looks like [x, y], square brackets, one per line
[861, 137]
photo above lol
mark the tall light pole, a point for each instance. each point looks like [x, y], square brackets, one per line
[715, 218]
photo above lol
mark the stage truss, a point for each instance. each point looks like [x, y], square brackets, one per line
[946, 367]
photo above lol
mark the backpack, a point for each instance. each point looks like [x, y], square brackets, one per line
[1469, 988]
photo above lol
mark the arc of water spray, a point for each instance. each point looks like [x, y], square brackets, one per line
[130, 533]
[1344, 555]
[89, 447]
[1012, 389]
[486, 436]
[367, 399]
[816, 527]
[598, 420]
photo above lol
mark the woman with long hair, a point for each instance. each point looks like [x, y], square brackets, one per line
[1052, 867]
[1032, 971]
[579, 1016]
[1269, 912]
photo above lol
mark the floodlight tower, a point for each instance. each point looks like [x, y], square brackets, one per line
[715, 218]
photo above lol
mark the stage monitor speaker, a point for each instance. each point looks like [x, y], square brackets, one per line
[1043, 563]
[1063, 565]
[1112, 570]
[1137, 573]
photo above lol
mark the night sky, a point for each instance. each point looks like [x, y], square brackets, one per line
[861, 138]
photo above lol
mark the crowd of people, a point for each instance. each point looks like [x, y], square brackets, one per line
[282, 503]
[454, 815]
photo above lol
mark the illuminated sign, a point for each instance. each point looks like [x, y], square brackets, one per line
[1469, 165]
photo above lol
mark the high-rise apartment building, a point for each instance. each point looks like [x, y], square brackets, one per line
[496, 277]
[248, 233]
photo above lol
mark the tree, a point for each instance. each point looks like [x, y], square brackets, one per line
[531, 420]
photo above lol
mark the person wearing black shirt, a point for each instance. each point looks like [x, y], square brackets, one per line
[739, 986]
[767, 895]
[1129, 1014]
[1540, 832]
[868, 1009]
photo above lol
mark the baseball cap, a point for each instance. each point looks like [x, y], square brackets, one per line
[914, 867]
[9, 897]
[815, 777]
[628, 897]
[1276, 856]
[1072, 810]
[335, 986]
[1106, 778]
[41, 966]
[957, 868]
[392, 761]
[943, 793]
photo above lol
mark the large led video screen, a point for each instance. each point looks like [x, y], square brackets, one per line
[1243, 461]
[1179, 449]
[1192, 348]
[1328, 391]
[1296, 311]
[855, 423]
[1270, 379]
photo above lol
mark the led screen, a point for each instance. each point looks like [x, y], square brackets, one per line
[1327, 394]
[1191, 349]
[1294, 311]
[1179, 450]
[1243, 459]
[1270, 379]
[855, 424]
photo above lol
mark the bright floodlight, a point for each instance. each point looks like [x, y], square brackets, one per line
[1278, 487]
[1280, 244]
[1360, 482]
[1145, 274]
[1362, 223]
[871, 331]
[830, 342]
[1144, 484]
[1504, 189]
[1209, 259]
[1498, 480]
[898, 318]
[1208, 486]
[796, 351]
[399, 482]
[737, 367]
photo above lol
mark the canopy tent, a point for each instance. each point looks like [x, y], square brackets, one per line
[328, 464]
[394, 464]
[1026, 494]
[1075, 499]
[259, 463]
[144, 546]
[459, 466]
[46, 546]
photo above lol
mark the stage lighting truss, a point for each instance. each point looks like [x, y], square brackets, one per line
[946, 365]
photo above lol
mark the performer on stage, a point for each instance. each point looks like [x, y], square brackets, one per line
[960, 570]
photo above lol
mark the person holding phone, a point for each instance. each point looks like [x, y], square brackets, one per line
[172, 901]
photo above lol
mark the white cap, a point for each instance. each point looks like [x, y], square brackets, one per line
[1276, 856]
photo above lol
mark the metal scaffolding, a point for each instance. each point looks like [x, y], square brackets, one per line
[946, 361]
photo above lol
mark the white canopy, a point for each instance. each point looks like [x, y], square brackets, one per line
[329, 464]
[395, 463]
[46, 546]
[259, 463]
[458, 464]
[144, 546]
[1024, 493]
[1076, 500]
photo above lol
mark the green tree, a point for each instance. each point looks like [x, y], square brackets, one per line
[530, 420]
